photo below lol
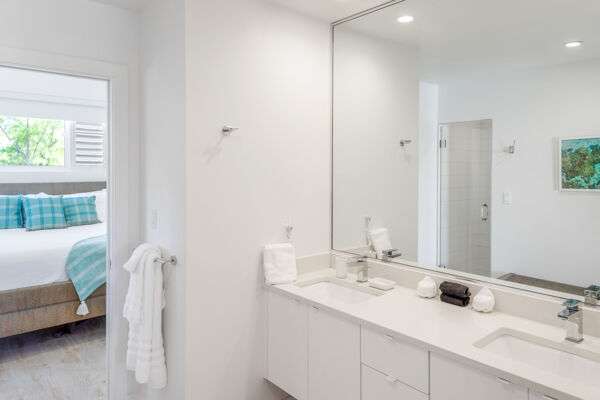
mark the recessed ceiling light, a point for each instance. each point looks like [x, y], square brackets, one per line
[405, 19]
[573, 44]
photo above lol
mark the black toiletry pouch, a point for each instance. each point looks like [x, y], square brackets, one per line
[455, 289]
[457, 301]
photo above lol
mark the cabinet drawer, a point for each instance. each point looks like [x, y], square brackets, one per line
[394, 358]
[377, 386]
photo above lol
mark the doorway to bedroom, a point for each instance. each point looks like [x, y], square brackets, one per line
[53, 235]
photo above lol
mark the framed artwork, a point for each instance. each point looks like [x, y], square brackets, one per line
[579, 161]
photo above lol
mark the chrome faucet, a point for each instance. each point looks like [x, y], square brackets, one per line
[386, 255]
[362, 275]
[573, 314]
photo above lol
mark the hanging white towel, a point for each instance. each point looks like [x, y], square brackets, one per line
[143, 309]
[380, 238]
[280, 263]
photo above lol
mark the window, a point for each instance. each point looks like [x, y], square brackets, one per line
[32, 142]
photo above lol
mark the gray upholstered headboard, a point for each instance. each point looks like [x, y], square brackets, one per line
[50, 188]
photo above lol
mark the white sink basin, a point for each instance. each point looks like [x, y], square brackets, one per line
[564, 358]
[330, 289]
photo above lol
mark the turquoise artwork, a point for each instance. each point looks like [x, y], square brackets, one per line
[580, 164]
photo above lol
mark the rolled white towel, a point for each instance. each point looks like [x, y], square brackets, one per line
[427, 288]
[380, 238]
[280, 263]
[484, 301]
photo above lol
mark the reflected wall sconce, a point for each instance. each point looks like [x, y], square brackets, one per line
[405, 142]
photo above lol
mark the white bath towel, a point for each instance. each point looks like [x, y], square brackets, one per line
[380, 238]
[280, 263]
[143, 309]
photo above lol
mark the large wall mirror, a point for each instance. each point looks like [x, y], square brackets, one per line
[466, 136]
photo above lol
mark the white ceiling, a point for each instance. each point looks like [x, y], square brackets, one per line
[329, 10]
[469, 35]
[128, 4]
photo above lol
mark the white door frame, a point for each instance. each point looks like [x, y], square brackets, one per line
[118, 192]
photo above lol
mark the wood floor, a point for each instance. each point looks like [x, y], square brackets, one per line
[39, 366]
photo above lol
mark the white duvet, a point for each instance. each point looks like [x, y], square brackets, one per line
[38, 258]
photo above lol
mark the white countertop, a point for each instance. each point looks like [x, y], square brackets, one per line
[451, 331]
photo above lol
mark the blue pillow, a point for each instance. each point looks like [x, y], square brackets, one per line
[81, 210]
[10, 212]
[44, 213]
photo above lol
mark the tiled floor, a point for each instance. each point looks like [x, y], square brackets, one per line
[38, 366]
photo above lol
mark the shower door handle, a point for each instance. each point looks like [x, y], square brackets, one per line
[485, 212]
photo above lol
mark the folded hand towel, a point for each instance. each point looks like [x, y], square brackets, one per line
[484, 301]
[380, 238]
[427, 288]
[455, 289]
[280, 263]
[457, 301]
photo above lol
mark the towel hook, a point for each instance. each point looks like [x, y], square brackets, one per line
[172, 260]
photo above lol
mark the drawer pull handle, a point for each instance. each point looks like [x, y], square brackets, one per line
[502, 380]
[297, 301]
[546, 397]
[390, 379]
[390, 338]
[315, 308]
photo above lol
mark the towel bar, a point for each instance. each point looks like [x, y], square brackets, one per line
[172, 260]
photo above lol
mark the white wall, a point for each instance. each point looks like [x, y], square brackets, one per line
[545, 233]
[162, 111]
[428, 173]
[376, 104]
[266, 70]
[83, 29]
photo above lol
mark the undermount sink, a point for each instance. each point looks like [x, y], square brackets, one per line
[561, 358]
[330, 289]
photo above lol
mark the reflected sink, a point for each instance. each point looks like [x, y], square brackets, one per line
[330, 289]
[564, 358]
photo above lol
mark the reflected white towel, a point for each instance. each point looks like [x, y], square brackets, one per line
[143, 309]
[280, 263]
[380, 238]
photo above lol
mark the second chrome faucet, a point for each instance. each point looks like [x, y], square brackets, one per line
[573, 314]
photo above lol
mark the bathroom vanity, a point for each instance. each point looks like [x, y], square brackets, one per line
[330, 338]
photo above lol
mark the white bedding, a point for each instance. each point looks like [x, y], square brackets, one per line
[38, 258]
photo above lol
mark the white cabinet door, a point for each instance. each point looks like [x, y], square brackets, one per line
[333, 357]
[377, 386]
[539, 396]
[451, 380]
[287, 344]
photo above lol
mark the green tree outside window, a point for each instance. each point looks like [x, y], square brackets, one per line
[32, 142]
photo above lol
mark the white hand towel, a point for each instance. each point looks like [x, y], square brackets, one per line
[280, 263]
[380, 238]
[143, 310]
[427, 288]
[484, 301]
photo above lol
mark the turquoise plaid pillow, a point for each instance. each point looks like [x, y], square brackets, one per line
[81, 210]
[10, 212]
[44, 213]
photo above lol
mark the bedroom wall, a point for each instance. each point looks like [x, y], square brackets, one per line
[266, 70]
[162, 112]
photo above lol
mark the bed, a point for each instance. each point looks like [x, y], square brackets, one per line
[35, 291]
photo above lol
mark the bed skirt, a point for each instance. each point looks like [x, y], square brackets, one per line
[38, 307]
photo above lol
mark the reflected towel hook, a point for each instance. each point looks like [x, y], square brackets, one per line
[511, 149]
[405, 142]
[228, 130]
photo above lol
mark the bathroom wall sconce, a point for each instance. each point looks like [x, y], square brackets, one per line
[228, 130]
[511, 148]
[405, 142]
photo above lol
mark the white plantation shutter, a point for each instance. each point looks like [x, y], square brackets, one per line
[89, 143]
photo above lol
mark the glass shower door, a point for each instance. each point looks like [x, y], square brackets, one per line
[465, 186]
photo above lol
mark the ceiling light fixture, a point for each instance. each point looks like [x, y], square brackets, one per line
[405, 19]
[573, 44]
